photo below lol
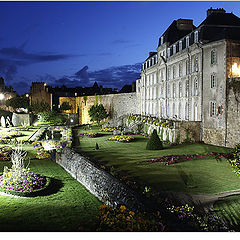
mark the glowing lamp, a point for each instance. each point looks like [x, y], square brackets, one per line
[1, 96]
[235, 70]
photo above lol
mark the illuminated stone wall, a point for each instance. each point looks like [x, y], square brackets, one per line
[72, 103]
[103, 185]
[116, 105]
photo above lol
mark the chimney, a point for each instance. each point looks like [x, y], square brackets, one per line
[185, 24]
[217, 10]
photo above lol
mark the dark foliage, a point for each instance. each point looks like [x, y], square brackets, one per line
[154, 143]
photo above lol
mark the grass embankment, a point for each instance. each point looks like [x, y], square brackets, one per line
[204, 175]
[69, 207]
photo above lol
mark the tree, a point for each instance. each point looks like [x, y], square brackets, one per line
[18, 102]
[97, 113]
[154, 143]
[40, 107]
[65, 106]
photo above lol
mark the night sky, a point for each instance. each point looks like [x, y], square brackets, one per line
[77, 43]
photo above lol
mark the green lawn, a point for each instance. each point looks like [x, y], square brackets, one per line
[204, 175]
[228, 209]
[69, 207]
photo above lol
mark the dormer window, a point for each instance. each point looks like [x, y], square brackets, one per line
[168, 52]
[180, 46]
[174, 49]
[187, 41]
[196, 37]
[161, 40]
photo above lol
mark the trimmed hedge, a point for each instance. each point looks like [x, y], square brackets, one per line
[35, 193]
[154, 143]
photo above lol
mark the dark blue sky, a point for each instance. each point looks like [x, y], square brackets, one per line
[77, 43]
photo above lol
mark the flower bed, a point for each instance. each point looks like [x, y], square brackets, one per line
[171, 159]
[90, 134]
[107, 129]
[41, 153]
[5, 152]
[121, 138]
[28, 184]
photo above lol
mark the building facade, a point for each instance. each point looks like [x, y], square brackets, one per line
[189, 77]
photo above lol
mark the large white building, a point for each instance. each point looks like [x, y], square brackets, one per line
[189, 76]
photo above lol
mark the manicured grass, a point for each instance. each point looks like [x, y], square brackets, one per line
[228, 209]
[202, 175]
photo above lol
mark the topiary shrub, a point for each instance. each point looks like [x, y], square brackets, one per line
[154, 143]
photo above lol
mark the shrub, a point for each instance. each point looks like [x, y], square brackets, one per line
[154, 143]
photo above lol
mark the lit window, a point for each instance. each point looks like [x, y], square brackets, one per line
[212, 109]
[186, 111]
[213, 81]
[169, 71]
[196, 37]
[173, 110]
[180, 45]
[187, 41]
[213, 56]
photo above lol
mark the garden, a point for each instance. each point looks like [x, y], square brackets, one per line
[38, 195]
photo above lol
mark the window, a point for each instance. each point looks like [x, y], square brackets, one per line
[174, 71]
[187, 41]
[180, 69]
[168, 90]
[174, 49]
[168, 50]
[169, 72]
[187, 88]
[186, 111]
[212, 109]
[180, 111]
[213, 81]
[180, 89]
[180, 46]
[161, 40]
[196, 37]
[213, 56]
[173, 110]
[187, 67]
[195, 91]
[196, 64]
[174, 90]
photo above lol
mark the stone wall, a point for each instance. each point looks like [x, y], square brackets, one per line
[233, 117]
[180, 132]
[104, 186]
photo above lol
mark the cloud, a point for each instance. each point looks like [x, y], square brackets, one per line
[12, 58]
[110, 77]
[29, 58]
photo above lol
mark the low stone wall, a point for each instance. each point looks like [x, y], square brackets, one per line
[103, 185]
[19, 119]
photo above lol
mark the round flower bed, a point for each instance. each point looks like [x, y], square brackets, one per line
[121, 138]
[28, 184]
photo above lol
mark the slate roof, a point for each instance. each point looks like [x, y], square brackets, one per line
[173, 34]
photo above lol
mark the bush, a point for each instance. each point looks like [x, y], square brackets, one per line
[52, 117]
[154, 143]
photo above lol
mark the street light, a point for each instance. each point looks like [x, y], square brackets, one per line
[1, 96]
